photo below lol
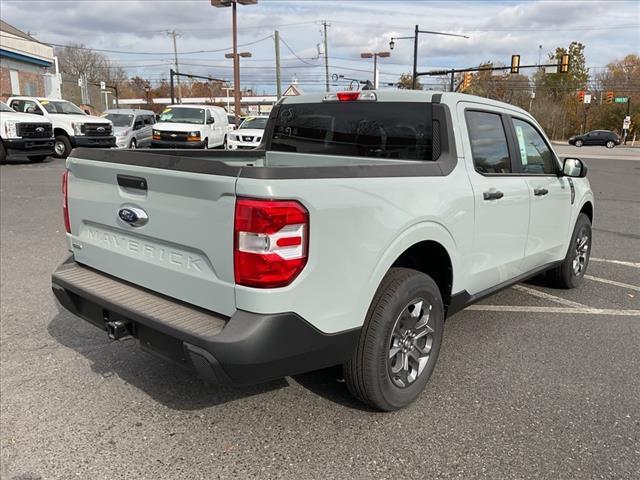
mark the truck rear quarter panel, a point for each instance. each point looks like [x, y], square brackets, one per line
[358, 228]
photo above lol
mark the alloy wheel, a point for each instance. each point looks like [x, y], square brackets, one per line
[581, 254]
[411, 342]
[59, 148]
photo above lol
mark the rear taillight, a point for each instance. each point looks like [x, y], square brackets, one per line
[350, 96]
[65, 200]
[271, 240]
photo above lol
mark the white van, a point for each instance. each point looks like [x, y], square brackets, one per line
[191, 126]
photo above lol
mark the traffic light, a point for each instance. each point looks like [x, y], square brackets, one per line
[466, 82]
[609, 97]
[564, 63]
[515, 63]
[581, 96]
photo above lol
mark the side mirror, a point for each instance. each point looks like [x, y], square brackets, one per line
[574, 167]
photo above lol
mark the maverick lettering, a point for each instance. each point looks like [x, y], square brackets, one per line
[145, 249]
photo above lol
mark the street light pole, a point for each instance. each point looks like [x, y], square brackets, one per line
[375, 56]
[415, 48]
[236, 60]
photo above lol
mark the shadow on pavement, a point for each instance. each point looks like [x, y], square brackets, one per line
[15, 160]
[171, 385]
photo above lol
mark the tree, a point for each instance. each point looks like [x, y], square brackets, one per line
[405, 82]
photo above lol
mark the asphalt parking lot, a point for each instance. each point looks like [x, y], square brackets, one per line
[531, 383]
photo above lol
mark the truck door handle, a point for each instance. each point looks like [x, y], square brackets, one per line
[493, 195]
[539, 192]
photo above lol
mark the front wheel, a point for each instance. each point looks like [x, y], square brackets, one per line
[399, 342]
[62, 146]
[579, 143]
[610, 144]
[570, 273]
[133, 145]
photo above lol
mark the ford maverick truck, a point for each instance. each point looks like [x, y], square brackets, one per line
[361, 223]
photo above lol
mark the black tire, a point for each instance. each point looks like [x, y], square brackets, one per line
[610, 144]
[565, 274]
[368, 374]
[579, 143]
[3, 153]
[206, 144]
[133, 144]
[37, 158]
[62, 146]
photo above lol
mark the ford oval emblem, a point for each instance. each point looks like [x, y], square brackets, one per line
[136, 217]
[40, 129]
[100, 129]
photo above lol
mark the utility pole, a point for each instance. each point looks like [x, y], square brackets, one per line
[174, 34]
[276, 38]
[326, 56]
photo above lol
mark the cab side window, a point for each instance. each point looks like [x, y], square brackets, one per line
[148, 120]
[488, 142]
[534, 155]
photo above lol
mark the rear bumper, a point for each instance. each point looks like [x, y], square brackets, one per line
[97, 142]
[28, 146]
[173, 144]
[246, 348]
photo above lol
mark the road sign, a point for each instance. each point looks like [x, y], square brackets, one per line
[80, 81]
[621, 99]
[103, 86]
[587, 98]
[626, 123]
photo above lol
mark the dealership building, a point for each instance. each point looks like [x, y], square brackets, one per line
[25, 64]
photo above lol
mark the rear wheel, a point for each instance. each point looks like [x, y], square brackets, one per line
[133, 145]
[37, 158]
[399, 342]
[570, 273]
[610, 144]
[62, 146]
[579, 143]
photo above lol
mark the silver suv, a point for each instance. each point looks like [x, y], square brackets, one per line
[132, 128]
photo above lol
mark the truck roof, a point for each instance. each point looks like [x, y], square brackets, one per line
[391, 95]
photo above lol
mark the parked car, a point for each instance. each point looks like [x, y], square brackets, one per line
[596, 137]
[25, 134]
[132, 128]
[249, 134]
[191, 126]
[71, 126]
[368, 219]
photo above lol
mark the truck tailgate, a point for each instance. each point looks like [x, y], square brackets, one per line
[184, 250]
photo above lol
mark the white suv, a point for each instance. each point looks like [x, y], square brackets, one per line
[249, 134]
[191, 126]
[71, 126]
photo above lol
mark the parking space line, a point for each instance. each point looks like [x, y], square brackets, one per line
[567, 310]
[612, 282]
[617, 262]
[548, 296]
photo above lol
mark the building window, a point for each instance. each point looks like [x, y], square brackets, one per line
[31, 89]
[15, 82]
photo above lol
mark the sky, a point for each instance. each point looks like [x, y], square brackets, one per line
[137, 33]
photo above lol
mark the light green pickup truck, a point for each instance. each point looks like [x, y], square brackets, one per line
[359, 225]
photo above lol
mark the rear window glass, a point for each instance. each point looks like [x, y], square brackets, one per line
[395, 130]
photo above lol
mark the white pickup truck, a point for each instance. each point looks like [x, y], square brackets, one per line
[71, 126]
[24, 134]
[363, 221]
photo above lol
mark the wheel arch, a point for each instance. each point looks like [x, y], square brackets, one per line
[432, 258]
[60, 131]
[587, 209]
[427, 247]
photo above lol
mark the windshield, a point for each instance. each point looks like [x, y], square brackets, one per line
[60, 106]
[258, 123]
[5, 108]
[183, 115]
[362, 129]
[119, 119]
